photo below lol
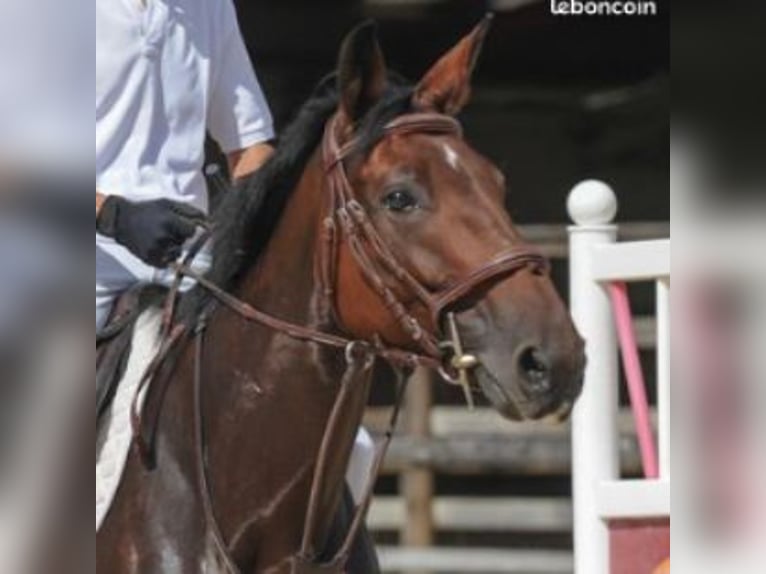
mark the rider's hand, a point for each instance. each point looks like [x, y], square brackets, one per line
[154, 231]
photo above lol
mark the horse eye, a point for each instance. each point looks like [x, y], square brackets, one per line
[400, 201]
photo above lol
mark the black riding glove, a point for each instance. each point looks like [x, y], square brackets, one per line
[154, 231]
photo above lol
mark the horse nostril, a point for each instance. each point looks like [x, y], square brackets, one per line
[534, 367]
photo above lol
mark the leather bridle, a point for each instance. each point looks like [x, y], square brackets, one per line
[346, 221]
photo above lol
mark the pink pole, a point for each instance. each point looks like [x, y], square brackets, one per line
[618, 291]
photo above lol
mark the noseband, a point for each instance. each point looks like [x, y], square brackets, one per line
[348, 221]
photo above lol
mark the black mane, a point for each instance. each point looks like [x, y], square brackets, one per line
[250, 211]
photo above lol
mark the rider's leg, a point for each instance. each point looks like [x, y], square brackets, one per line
[116, 272]
[360, 465]
[363, 558]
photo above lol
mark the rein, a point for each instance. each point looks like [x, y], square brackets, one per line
[395, 356]
[347, 221]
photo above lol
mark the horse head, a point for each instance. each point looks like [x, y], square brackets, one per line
[438, 209]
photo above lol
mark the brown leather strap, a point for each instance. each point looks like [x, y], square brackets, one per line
[397, 357]
[358, 365]
[144, 425]
[117, 325]
[364, 506]
[144, 438]
[505, 264]
[200, 452]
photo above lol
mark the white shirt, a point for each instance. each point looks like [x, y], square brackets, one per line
[167, 72]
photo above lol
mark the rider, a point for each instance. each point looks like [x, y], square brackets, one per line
[166, 74]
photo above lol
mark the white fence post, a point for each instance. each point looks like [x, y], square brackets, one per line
[592, 206]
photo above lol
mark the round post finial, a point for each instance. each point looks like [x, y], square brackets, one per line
[592, 202]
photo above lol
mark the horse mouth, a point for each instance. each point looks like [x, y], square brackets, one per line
[511, 403]
[501, 397]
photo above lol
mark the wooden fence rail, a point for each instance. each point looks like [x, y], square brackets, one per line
[491, 446]
[475, 560]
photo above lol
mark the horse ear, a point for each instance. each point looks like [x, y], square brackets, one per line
[446, 88]
[362, 75]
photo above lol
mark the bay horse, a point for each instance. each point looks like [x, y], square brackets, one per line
[382, 229]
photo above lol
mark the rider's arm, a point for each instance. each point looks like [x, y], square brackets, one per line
[246, 161]
[238, 115]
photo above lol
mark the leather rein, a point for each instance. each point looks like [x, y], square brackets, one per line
[347, 221]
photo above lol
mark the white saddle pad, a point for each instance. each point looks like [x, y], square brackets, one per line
[115, 435]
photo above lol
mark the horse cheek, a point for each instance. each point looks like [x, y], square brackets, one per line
[361, 310]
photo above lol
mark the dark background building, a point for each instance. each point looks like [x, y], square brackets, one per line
[557, 99]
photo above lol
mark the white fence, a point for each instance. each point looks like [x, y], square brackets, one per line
[453, 441]
[598, 263]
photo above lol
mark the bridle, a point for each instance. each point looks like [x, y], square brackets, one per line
[347, 222]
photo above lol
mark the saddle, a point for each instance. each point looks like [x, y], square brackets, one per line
[113, 344]
[304, 566]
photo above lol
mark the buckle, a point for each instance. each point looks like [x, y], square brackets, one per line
[457, 364]
[359, 352]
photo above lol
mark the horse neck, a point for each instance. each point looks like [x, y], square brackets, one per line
[269, 386]
[283, 282]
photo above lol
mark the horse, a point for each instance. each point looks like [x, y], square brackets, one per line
[374, 234]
